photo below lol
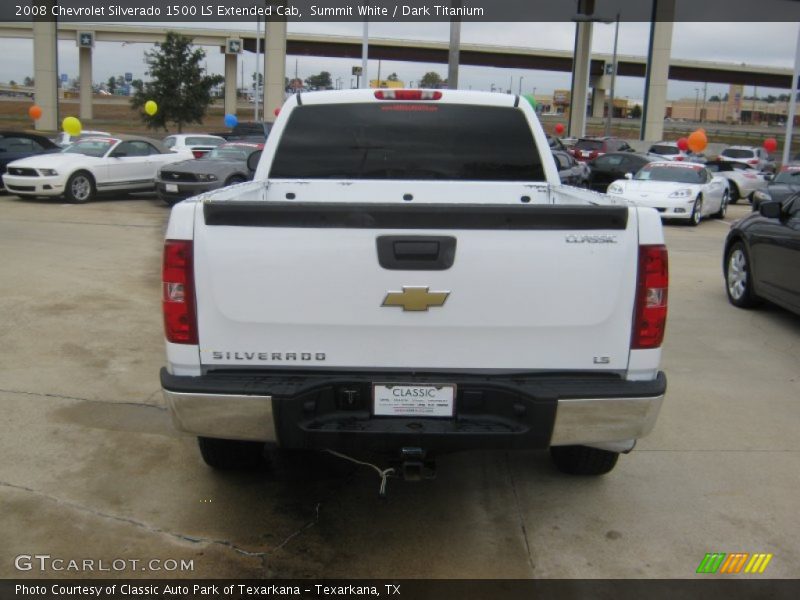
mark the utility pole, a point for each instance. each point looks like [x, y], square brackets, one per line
[364, 55]
[519, 90]
[453, 55]
[703, 110]
[610, 115]
[787, 142]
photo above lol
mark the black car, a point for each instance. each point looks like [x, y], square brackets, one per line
[785, 184]
[762, 256]
[249, 129]
[15, 145]
[570, 171]
[612, 166]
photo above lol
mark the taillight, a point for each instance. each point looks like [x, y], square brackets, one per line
[199, 153]
[753, 161]
[679, 158]
[593, 154]
[408, 95]
[180, 319]
[650, 314]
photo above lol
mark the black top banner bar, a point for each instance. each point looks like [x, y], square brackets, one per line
[216, 11]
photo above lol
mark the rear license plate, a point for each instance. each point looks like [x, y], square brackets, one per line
[405, 400]
[172, 187]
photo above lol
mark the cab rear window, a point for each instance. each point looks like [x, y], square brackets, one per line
[390, 140]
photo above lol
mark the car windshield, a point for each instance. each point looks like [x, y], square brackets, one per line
[669, 173]
[664, 150]
[737, 153]
[789, 176]
[96, 148]
[230, 152]
[589, 145]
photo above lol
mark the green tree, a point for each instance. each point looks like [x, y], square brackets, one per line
[112, 84]
[322, 81]
[393, 77]
[431, 79]
[12, 83]
[636, 111]
[260, 80]
[178, 84]
[28, 82]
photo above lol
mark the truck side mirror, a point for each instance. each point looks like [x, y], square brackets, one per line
[628, 175]
[253, 159]
[770, 210]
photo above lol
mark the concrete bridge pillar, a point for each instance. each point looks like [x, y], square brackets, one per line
[274, 68]
[231, 64]
[85, 76]
[580, 79]
[45, 73]
[657, 70]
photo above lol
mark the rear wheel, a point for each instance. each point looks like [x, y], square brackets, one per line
[232, 455]
[735, 193]
[80, 187]
[723, 208]
[739, 277]
[234, 179]
[583, 460]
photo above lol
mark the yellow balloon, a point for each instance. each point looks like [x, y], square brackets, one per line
[150, 107]
[71, 126]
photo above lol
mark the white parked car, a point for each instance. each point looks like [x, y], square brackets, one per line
[753, 156]
[743, 181]
[198, 144]
[666, 151]
[64, 139]
[103, 164]
[677, 190]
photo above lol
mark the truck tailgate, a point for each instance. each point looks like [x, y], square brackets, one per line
[326, 285]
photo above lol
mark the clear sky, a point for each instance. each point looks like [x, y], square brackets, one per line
[768, 44]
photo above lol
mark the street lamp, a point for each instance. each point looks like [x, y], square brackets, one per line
[519, 90]
[696, 100]
[610, 115]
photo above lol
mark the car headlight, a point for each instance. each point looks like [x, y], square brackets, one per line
[206, 177]
[761, 196]
[615, 188]
[684, 193]
[48, 172]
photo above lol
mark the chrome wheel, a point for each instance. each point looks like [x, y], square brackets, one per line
[737, 274]
[698, 208]
[723, 207]
[81, 188]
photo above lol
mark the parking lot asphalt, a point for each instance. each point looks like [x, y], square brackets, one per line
[91, 468]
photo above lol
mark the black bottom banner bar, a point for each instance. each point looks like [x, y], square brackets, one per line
[405, 589]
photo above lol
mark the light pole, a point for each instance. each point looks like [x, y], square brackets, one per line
[519, 90]
[696, 100]
[610, 115]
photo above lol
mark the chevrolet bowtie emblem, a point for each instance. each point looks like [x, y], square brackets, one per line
[415, 298]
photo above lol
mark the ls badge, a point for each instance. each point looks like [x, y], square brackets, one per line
[415, 298]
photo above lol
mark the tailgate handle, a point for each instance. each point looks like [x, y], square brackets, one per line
[416, 252]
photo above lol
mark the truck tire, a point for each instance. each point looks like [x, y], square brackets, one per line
[582, 460]
[231, 455]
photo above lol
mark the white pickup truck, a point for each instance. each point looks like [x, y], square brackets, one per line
[405, 275]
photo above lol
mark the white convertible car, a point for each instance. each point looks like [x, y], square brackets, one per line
[678, 190]
[91, 166]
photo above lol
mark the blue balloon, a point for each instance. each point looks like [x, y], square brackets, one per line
[231, 121]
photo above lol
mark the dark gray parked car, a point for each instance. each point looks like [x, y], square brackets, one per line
[224, 165]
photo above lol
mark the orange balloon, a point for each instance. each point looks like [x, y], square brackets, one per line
[697, 141]
[35, 112]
